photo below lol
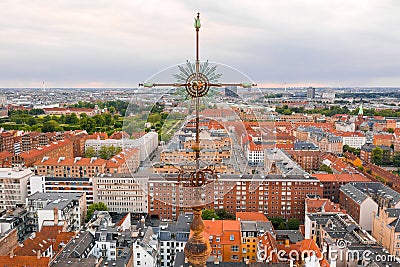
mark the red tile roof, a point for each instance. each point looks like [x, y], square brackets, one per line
[24, 261]
[44, 149]
[224, 229]
[350, 134]
[322, 204]
[341, 177]
[251, 216]
[5, 154]
[119, 135]
[31, 246]
[71, 162]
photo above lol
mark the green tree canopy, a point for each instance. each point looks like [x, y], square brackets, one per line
[93, 207]
[107, 152]
[276, 221]
[293, 224]
[50, 126]
[88, 124]
[90, 152]
[325, 168]
[224, 215]
[154, 118]
[209, 214]
[377, 155]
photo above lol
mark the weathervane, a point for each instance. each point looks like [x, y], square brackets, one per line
[197, 85]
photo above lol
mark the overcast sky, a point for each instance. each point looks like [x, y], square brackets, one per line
[117, 43]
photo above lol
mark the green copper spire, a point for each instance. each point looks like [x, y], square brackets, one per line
[360, 111]
[197, 24]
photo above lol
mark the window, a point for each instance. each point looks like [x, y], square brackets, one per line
[234, 248]
[231, 237]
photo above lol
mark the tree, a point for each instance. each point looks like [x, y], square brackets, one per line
[154, 118]
[103, 152]
[31, 121]
[93, 207]
[107, 152]
[111, 110]
[293, 224]
[50, 126]
[325, 168]
[71, 119]
[107, 119]
[90, 152]
[88, 124]
[390, 130]
[282, 226]
[396, 159]
[209, 214]
[276, 221]
[377, 155]
[36, 111]
[223, 214]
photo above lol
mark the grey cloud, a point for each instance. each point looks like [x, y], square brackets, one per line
[123, 42]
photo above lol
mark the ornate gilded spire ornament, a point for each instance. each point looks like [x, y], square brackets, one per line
[197, 84]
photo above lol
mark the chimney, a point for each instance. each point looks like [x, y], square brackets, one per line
[213, 219]
[12, 254]
[55, 211]
[287, 244]
[38, 254]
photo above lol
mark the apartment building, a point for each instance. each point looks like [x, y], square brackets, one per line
[353, 139]
[69, 167]
[48, 184]
[121, 193]
[62, 148]
[7, 142]
[146, 144]
[332, 182]
[274, 195]
[13, 187]
[361, 200]
[68, 207]
[278, 161]
[386, 229]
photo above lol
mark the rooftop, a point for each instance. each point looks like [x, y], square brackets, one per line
[14, 173]
[359, 191]
[55, 200]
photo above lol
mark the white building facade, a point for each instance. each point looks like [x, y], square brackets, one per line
[13, 187]
[146, 144]
[121, 192]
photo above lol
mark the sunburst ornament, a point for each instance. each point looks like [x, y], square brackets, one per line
[197, 78]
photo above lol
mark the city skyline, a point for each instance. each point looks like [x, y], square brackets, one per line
[120, 43]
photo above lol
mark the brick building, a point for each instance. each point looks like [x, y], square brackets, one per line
[62, 148]
[362, 200]
[308, 160]
[124, 162]
[7, 142]
[225, 239]
[274, 195]
[383, 139]
[78, 139]
[332, 182]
